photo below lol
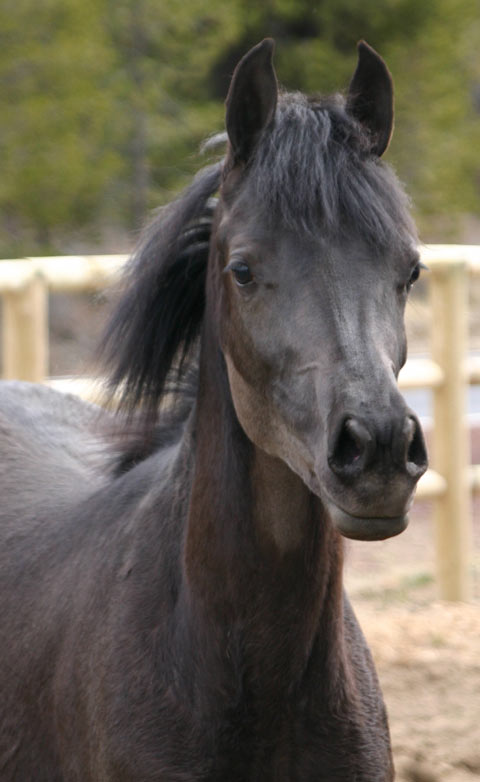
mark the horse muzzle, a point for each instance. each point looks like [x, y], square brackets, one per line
[372, 472]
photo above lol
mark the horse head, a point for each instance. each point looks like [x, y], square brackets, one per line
[315, 257]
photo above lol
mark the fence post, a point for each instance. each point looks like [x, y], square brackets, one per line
[452, 511]
[25, 331]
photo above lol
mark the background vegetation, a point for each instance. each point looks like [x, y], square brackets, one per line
[105, 102]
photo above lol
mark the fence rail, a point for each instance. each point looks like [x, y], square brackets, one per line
[24, 285]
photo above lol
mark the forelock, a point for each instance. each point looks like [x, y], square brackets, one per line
[314, 170]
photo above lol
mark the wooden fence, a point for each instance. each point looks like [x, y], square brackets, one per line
[451, 479]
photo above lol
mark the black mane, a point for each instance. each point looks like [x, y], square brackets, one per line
[158, 318]
[314, 169]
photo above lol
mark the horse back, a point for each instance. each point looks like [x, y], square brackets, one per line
[49, 450]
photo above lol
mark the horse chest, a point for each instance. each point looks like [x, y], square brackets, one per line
[254, 741]
[296, 754]
[301, 753]
[283, 742]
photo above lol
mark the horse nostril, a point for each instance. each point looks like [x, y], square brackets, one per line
[357, 448]
[416, 452]
[351, 447]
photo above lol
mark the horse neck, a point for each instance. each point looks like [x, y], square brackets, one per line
[260, 556]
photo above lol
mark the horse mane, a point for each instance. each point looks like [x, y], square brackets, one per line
[315, 169]
[154, 326]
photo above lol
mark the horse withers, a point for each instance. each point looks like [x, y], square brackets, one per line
[171, 579]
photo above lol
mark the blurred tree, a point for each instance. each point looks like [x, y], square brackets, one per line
[316, 41]
[163, 53]
[437, 140]
[106, 101]
[56, 118]
[431, 49]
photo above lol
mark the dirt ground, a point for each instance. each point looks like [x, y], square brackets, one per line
[427, 652]
[428, 661]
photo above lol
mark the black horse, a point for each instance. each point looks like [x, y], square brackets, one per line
[171, 599]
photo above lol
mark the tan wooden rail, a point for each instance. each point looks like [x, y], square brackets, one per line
[25, 285]
[451, 479]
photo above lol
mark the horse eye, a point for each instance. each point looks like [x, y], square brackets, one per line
[241, 272]
[414, 276]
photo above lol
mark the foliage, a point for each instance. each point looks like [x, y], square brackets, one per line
[104, 102]
[55, 121]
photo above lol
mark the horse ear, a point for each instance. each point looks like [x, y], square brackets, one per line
[370, 97]
[251, 99]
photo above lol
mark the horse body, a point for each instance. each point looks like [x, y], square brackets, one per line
[183, 618]
[119, 670]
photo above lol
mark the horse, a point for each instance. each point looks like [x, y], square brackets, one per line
[172, 605]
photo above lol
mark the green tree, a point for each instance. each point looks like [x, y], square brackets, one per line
[56, 117]
[105, 102]
[438, 121]
[163, 53]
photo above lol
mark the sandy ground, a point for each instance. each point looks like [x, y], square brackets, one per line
[428, 661]
[427, 652]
